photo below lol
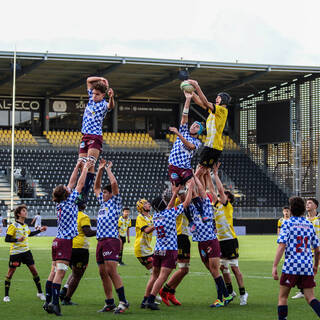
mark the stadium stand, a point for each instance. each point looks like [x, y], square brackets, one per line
[140, 174]
[112, 139]
[22, 137]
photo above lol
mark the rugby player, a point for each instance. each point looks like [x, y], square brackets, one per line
[227, 237]
[286, 216]
[144, 228]
[208, 245]
[124, 224]
[79, 258]
[165, 253]
[18, 234]
[215, 124]
[94, 113]
[67, 213]
[167, 293]
[37, 221]
[297, 238]
[108, 247]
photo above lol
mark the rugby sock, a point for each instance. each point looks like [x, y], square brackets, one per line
[144, 299]
[282, 312]
[167, 288]
[55, 293]
[221, 288]
[315, 305]
[120, 255]
[229, 287]
[121, 295]
[109, 301]
[151, 298]
[36, 280]
[7, 283]
[242, 291]
[48, 291]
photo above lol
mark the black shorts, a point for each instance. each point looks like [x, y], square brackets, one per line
[229, 249]
[79, 258]
[183, 247]
[123, 239]
[209, 156]
[25, 257]
[145, 261]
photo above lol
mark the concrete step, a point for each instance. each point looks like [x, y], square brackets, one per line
[42, 141]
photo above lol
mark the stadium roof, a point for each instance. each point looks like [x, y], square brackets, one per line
[52, 75]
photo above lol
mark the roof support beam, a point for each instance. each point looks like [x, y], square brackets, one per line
[240, 82]
[161, 82]
[22, 72]
[83, 80]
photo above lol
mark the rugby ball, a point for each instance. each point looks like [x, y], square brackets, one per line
[186, 86]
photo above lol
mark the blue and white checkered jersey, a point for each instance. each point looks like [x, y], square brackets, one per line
[180, 155]
[108, 216]
[67, 214]
[204, 231]
[299, 236]
[93, 116]
[165, 225]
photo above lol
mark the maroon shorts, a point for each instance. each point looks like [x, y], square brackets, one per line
[179, 176]
[90, 141]
[209, 249]
[108, 249]
[165, 258]
[61, 249]
[302, 282]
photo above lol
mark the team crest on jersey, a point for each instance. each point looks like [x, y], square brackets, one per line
[82, 144]
[174, 176]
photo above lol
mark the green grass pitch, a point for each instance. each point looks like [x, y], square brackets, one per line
[196, 292]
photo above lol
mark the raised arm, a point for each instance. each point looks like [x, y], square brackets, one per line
[185, 112]
[83, 176]
[91, 80]
[113, 180]
[188, 198]
[74, 175]
[210, 186]
[111, 99]
[188, 144]
[175, 190]
[223, 197]
[201, 190]
[97, 182]
[204, 101]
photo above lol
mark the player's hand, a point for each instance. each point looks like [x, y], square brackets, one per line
[110, 93]
[110, 164]
[194, 83]
[175, 189]
[275, 273]
[102, 164]
[20, 239]
[187, 95]
[88, 164]
[174, 130]
[79, 164]
[216, 168]
[43, 228]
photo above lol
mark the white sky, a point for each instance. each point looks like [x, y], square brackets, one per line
[269, 31]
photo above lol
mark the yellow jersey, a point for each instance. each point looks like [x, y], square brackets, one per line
[215, 125]
[223, 216]
[123, 225]
[81, 241]
[316, 223]
[17, 230]
[142, 244]
[181, 221]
